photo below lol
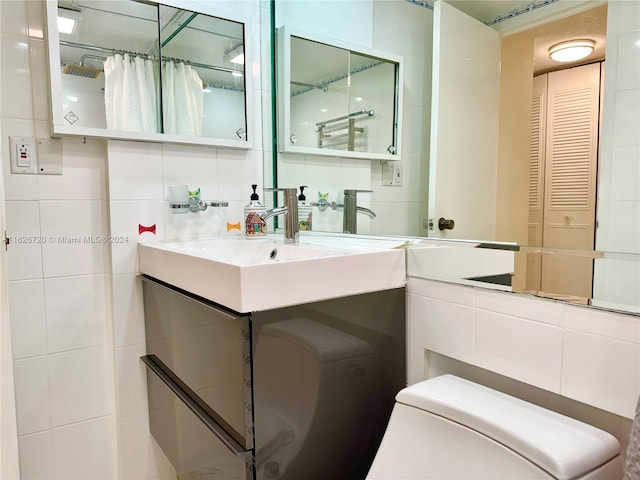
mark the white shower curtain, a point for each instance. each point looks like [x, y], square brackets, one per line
[182, 99]
[130, 94]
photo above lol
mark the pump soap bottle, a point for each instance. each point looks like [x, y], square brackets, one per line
[255, 227]
[304, 211]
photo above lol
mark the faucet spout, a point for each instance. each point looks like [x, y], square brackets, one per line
[351, 210]
[368, 212]
[290, 212]
[273, 212]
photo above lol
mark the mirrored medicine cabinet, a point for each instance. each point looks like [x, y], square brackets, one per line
[141, 70]
[337, 100]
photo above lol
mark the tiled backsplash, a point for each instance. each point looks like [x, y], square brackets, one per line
[580, 353]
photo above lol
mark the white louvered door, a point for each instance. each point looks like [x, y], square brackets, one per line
[571, 154]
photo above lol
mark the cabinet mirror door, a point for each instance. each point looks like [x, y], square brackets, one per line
[338, 100]
[141, 70]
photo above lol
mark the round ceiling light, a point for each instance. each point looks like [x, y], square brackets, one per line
[571, 50]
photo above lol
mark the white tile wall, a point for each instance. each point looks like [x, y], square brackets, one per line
[128, 314]
[59, 291]
[442, 327]
[619, 165]
[601, 371]
[609, 324]
[23, 225]
[77, 312]
[520, 306]
[125, 218]
[581, 353]
[80, 385]
[512, 346]
[140, 456]
[16, 79]
[132, 380]
[28, 329]
[67, 227]
[86, 450]
[135, 171]
[179, 163]
[31, 377]
[82, 451]
[348, 21]
[84, 173]
[36, 456]
[39, 73]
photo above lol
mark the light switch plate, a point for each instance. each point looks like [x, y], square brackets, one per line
[49, 156]
[23, 155]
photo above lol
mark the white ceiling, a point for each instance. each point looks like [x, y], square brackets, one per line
[590, 24]
[485, 10]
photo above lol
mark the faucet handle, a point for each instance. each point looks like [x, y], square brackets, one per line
[286, 190]
[355, 191]
[290, 195]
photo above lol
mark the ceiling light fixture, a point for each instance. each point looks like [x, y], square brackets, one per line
[571, 50]
[68, 20]
[235, 54]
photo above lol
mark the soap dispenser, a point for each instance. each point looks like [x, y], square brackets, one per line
[304, 211]
[255, 227]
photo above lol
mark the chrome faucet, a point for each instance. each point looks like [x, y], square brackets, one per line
[290, 212]
[351, 210]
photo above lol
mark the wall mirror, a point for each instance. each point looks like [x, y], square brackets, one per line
[337, 100]
[613, 276]
[141, 70]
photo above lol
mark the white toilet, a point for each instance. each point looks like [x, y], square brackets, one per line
[450, 428]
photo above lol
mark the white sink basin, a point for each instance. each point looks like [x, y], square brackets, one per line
[253, 275]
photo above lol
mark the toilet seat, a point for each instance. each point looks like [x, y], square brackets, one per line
[560, 445]
[450, 420]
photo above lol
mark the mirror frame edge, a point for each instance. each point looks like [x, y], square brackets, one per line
[283, 92]
[58, 129]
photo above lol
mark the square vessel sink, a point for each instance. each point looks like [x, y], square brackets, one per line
[253, 275]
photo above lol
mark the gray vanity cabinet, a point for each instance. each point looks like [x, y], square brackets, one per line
[301, 392]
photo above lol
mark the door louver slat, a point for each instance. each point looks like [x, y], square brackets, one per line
[535, 177]
[570, 149]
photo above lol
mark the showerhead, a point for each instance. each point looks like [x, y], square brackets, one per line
[81, 71]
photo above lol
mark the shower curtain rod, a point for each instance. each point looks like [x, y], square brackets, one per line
[144, 55]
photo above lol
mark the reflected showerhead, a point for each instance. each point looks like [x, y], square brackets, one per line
[81, 71]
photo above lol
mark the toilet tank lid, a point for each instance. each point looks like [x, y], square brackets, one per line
[326, 344]
[564, 447]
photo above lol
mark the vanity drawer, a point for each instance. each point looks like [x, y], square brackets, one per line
[207, 349]
[191, 437]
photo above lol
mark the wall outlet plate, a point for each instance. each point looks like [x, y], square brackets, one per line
[24, 159]
[391, 174]
[49, 156]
